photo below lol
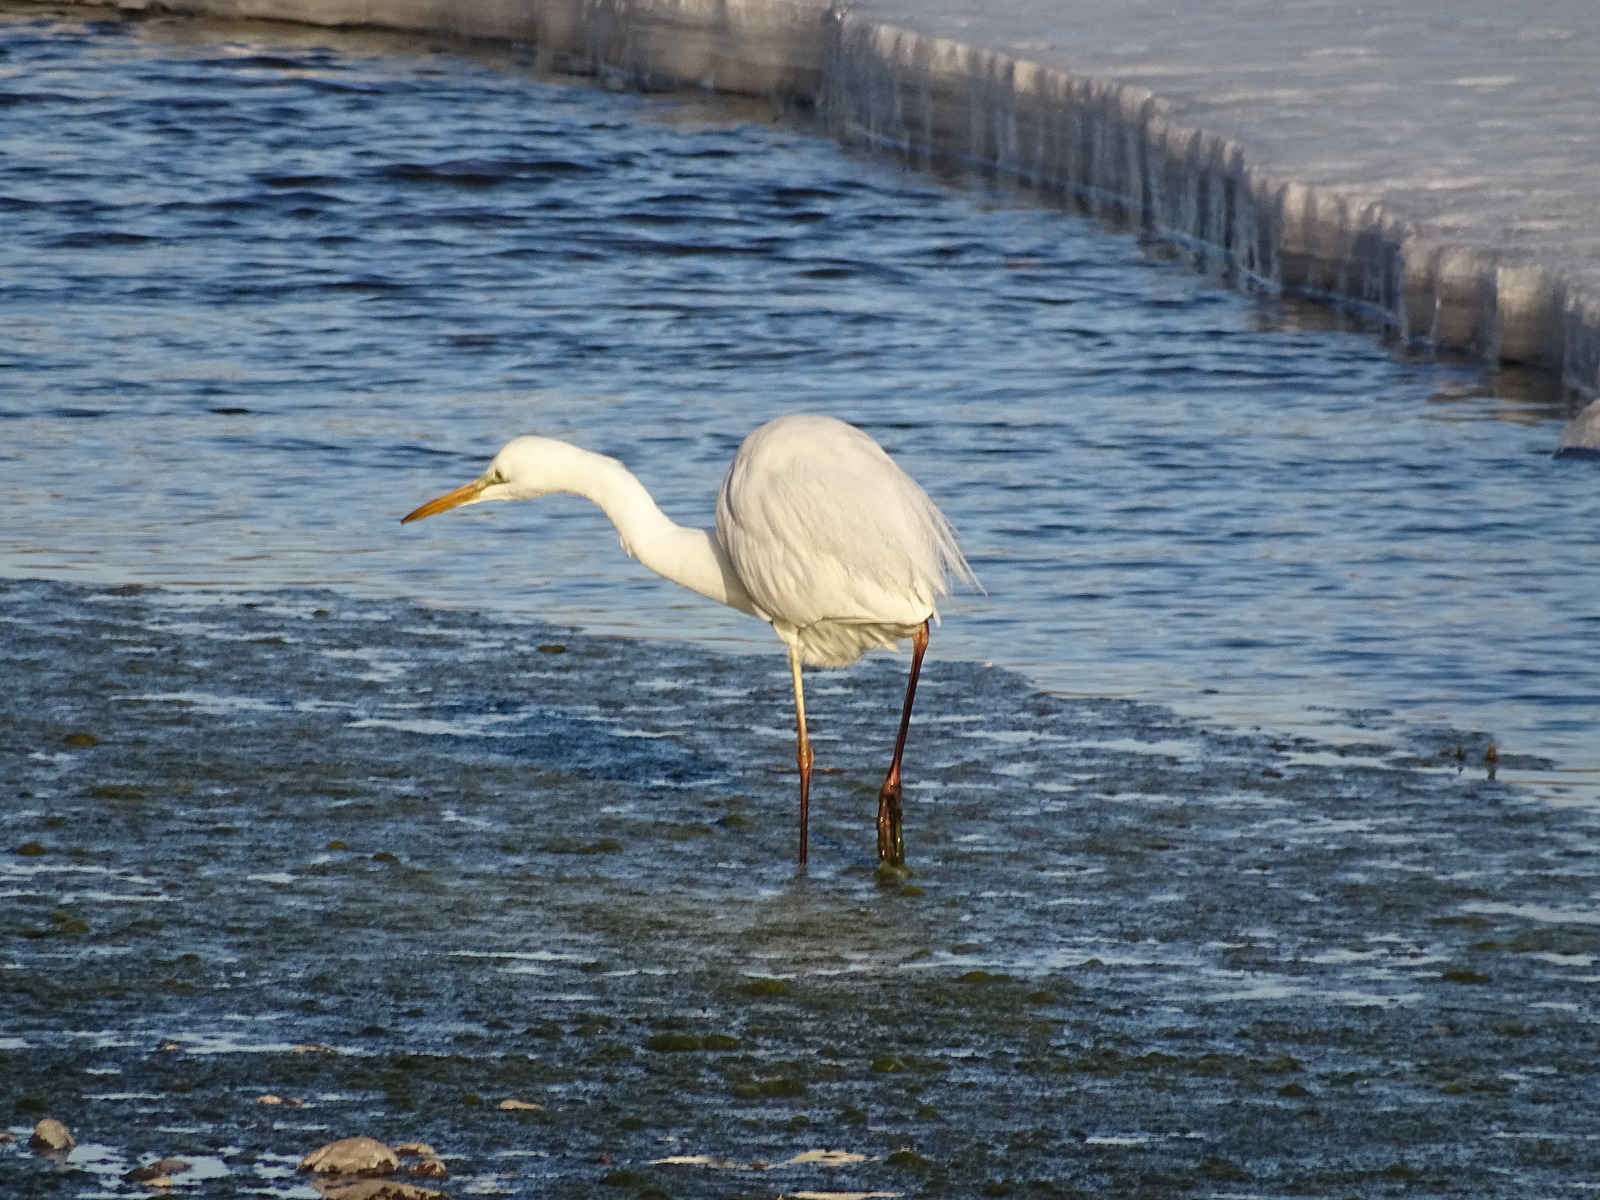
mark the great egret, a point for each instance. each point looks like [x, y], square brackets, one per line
[818, 531]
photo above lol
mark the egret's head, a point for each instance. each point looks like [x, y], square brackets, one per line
[525, 467]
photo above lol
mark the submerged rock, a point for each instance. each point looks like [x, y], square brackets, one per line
[352, 1156]
[1582, 432]
[51, 1137]
[375, 1189]
[155, 1173]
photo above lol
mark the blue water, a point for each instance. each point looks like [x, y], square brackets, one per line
[266, 290]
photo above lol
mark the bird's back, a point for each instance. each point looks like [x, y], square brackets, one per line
[840, 548]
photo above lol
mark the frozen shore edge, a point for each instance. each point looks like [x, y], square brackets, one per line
[1110, 147]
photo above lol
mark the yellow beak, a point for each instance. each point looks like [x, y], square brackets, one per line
[464, 494]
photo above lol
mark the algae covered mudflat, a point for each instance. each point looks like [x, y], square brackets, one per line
[396, 865]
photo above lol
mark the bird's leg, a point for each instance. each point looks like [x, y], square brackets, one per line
[891, 845]
[803, 755]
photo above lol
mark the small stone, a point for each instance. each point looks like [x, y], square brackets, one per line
[170, 1046]
[50, 1136]
[520, 1105]
[80, 741]
[352, 1156]
[415, 1150]
[430, 1168]
[291, 1101]
[311, 1048]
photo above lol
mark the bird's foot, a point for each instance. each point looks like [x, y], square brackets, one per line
[891, 843]
[890, 876]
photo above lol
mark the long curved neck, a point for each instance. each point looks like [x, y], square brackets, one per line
[690, 557]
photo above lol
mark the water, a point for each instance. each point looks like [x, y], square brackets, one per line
[268, 289]
[397, 847]
[295, 866]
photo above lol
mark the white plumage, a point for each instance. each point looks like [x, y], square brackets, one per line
[818, 531]
[837, 546]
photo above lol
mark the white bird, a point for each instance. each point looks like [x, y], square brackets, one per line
[818, 531]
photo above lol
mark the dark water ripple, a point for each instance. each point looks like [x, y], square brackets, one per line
[266, 290]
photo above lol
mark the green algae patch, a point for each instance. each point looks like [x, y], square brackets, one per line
[783, 1086]
[125, 792]
[765, 987]
[569, 846]
[1222, 1170]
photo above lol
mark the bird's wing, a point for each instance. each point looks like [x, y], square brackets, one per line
[822, 525]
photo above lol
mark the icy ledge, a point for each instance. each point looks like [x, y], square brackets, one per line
[1116, 148]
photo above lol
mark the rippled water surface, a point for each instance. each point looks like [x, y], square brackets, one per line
[267, 289]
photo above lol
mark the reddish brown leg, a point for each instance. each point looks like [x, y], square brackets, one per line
[803, 755]
[891, 844]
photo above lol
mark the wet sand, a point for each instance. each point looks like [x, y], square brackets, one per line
[402, 864]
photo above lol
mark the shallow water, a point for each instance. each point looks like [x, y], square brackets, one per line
[267, 289]
[1140, 956]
